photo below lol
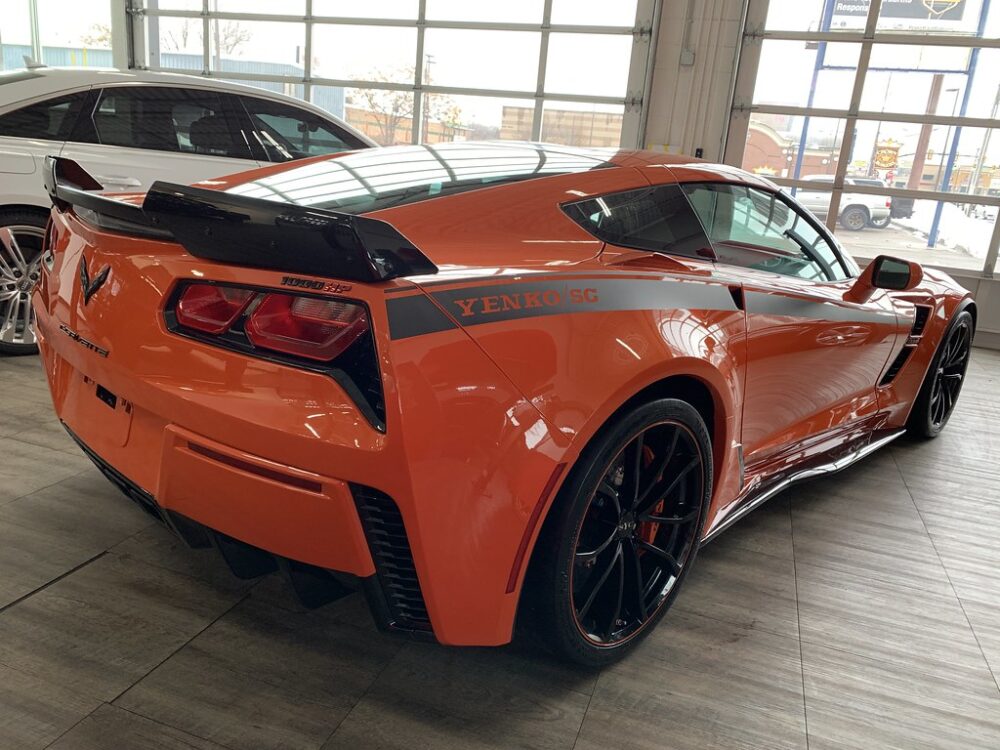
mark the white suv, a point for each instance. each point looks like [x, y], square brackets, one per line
[129, 129]
[857, 210]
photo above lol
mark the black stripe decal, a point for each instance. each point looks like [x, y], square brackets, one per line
[529, 299]
[415, 316]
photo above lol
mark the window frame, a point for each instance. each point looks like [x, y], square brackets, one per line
[847, 263]
[260, 153]
[68, 124]
[714, 258]
[86, 130]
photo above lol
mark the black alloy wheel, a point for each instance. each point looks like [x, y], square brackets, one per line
[626, 530]
[943, 382]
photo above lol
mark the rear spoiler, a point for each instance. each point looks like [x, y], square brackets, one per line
[237, 229]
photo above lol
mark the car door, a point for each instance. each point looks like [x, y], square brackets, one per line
[280, 132]
[133, 135]
[817, 201]
[813, 358]
[27, 135]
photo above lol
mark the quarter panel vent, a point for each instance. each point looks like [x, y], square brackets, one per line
[390, 549]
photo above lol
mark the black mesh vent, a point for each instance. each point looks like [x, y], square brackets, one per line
[897, 365]
[920, 322]
[390, 548]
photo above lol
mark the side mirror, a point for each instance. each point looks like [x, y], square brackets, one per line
[885, 272]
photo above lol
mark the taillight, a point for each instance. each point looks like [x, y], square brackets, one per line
[305, 331]
[210, 308]
[310, 327]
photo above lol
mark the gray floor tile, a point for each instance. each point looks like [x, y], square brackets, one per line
[27, 468]
[34, 712]
[751, 589]
[699, 683]
[435, 697]
[111, 727]
[263, 677]
[100, 629]
[857, 702]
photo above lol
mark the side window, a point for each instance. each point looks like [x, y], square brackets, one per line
[758, 229]
[50, 120]
[654, 218]
[167, 119]
[287, 133]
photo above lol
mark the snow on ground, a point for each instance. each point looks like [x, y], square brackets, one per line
[957, 231]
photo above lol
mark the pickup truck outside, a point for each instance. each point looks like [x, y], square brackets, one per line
[857, 211]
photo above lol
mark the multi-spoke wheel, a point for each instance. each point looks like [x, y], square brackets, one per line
[854, 218]
[624, 531]
[943, 383]
[20, 266]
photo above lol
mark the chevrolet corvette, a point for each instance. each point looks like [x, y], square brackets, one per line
[487, 384]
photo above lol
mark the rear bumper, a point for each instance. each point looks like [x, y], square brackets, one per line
[393, 593]
[262, 514]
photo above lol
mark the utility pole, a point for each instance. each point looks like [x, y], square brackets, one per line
[978, 171]
[920, 154]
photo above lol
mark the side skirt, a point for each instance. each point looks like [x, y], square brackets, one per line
[761, 494]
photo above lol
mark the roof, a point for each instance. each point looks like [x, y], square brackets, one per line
[365, 181]
[20, 86]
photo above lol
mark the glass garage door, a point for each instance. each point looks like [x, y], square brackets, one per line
[410, 71]
[882, 116]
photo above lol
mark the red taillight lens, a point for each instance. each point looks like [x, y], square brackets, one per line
[306, 326]
[211, 308]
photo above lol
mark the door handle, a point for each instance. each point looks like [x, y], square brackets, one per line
[118, 180]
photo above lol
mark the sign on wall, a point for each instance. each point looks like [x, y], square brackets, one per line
[906, 15]
[927, 10]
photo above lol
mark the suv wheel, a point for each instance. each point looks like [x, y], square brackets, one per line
[854, 218]
[21, 234]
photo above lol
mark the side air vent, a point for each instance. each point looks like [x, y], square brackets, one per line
[920, 322]
[390, 548]
[921, 315]
[897, 365]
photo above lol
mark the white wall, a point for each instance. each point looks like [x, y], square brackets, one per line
[689, 104]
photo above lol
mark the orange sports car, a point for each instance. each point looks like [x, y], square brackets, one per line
[480, 381]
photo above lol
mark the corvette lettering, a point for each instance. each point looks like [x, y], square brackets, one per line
[498, 303]
[82, 341]
[332, 287]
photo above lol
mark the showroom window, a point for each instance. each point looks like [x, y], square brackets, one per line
[424, 71]
[56, 32]
[882, 117]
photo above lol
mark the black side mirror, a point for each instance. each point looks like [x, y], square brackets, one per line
[884, 272]
[892, 273]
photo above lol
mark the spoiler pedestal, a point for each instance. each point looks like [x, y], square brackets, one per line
[244, 231]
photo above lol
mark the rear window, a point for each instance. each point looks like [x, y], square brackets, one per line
[659, 219]
[379, 178]
[50, 120]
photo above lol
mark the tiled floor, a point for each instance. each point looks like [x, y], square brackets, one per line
[859, 611]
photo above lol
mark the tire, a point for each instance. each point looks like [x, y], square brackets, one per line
[18, 271]
[854, 218]
[880, 223]
[567, 599]
[942, 384]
